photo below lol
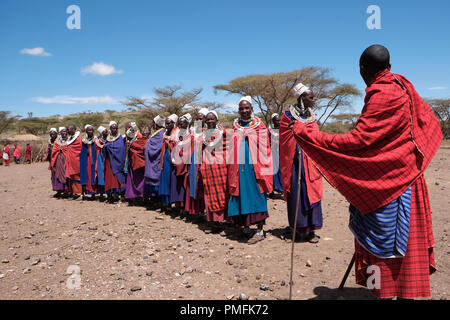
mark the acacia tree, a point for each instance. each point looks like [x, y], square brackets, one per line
[6, 119]
[441, 108]
[273, 92]
[168, 100]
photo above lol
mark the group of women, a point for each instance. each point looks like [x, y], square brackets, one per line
[201, 172]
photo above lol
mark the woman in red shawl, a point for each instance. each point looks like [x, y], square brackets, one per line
[136, 164]
[58, 164]
[6, 154]
[214, 172]
[53, 134]
[28, 153]
[186, 156]
[16, 154]
[378, 165]
[298, 171]
[88, 158]
[73, 162]
[250, 172]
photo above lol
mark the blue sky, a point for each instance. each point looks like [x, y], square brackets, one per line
[201, 43]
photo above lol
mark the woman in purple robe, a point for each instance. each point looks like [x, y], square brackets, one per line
[152, 154]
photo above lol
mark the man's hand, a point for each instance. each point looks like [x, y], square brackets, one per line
[291, 125]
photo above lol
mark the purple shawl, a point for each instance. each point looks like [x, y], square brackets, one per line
[152, 155]
[115, 151]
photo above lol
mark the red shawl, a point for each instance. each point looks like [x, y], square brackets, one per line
[73, 159]
[261, 154]
[392, 144]
[16, 152]
[214, 174]
[55, 152]
[314, 183]
[184, 156]
[136, 152]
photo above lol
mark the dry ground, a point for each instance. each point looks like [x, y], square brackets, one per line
[133, 253]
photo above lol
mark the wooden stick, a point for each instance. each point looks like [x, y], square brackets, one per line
[295, 222]
[341, 286]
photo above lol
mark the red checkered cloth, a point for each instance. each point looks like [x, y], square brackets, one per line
[407, 277]
[393, 142]
[314, 183]
[214, 175]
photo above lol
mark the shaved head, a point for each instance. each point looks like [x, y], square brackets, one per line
[373, 60]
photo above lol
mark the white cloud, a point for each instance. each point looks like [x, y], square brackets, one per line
[77, 100]
[38, 51]
[437, 88]
[100, 68]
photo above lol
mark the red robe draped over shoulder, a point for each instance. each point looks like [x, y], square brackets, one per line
[55, 152]
[261, 157]
[136, 152]
[73, 159]
[314, 183]
[393, 142]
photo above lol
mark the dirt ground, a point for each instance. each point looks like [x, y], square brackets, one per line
[127, 252]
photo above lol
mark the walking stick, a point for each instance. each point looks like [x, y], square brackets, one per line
[295, 223]
[312, 117]
[341, 286]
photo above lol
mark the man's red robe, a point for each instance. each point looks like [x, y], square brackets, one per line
[392, 144]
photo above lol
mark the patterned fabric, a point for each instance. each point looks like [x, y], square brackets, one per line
[288, 147]
[393, 142]
[385, 231]
[214, 175]
[257, 135]
[250, 199]
[407, 277]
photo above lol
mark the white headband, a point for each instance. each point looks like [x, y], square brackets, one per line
[111, 123]
[300, 89]
[101, 129]
[246, 98]
[214, 113]
[160, 121]
[88, 126]
[187, 117]
[62, 128]
[203, 111]
[174, 118]
[53, 129]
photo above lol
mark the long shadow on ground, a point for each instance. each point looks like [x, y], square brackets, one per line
[325, 293]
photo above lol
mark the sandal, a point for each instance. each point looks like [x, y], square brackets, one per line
[313, 238]
[256, 238]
